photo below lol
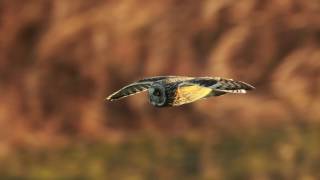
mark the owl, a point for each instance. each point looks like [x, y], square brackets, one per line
[166, 91]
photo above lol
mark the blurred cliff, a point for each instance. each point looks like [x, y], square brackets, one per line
[60, 59]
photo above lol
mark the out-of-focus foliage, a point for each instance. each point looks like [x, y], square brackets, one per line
[60, 59]
[281, 153]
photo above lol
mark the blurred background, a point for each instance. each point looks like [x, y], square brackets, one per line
[60, 59]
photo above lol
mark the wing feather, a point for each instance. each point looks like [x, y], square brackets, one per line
[129, 90]
[221, 86]
[232, 86]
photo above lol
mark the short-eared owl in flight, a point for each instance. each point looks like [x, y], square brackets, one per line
[178, 90]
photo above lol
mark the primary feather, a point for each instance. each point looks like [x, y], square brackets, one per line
[129, 90]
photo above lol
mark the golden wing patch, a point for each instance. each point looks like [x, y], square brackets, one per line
[188, 92]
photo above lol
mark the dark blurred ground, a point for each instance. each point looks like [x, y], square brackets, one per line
[60, 59]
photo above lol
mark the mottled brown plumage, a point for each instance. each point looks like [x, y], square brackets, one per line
[178, 90]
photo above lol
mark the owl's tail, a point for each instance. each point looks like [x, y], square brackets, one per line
[224, 86]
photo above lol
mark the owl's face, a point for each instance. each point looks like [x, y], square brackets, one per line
[157, 95]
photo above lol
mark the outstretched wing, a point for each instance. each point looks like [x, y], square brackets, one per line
[129, 90]
[232, 86]
[222, 86]
[188, 92]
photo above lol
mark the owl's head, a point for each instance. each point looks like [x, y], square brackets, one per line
[157, 95]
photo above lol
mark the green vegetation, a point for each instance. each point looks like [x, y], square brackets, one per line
[282, 153]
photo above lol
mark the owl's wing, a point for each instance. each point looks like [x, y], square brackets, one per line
[222, 86]
[129, 90]
[189, 92]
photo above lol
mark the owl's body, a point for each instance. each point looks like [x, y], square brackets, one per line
[167, 91]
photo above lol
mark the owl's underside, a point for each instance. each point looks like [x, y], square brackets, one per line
[178, 90]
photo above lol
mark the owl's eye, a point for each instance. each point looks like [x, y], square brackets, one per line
[157, 92]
